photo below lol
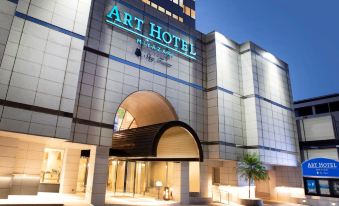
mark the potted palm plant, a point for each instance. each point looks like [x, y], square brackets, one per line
[251, 169]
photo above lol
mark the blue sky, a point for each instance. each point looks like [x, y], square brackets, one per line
[303, 33]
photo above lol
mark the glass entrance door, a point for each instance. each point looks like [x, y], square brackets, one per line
[138, 177]
[130, 176]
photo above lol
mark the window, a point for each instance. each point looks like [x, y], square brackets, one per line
[124, 120]
[193, 13]
[161, 9]
[216, 175]
[187, 11]
[181, 3]
[321, 108]
[146, 2]
[154, 5]
[334, 106]
[168, 13]
[303, 111]
[51, 166]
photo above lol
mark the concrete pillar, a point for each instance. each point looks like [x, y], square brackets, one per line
[97, 176]
[69, 176]
[8, 147]
[185, 193]
[29, 158]
[181, 182]
[205, 180]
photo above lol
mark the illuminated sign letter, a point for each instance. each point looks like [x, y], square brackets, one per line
[176, 41]
[139, 23]
[128, 19]
[184, 45]
[167, 37]
[192, 49]
[158, 31]
[114, 12]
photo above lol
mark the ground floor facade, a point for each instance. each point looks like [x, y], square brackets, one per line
[36, 166]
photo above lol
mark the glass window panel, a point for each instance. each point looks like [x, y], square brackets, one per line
[187, 11]
[51, 166]
[127, 121]
[118, 118]
[154, 5]
[161, 9]
[181, 3]
[193, 13]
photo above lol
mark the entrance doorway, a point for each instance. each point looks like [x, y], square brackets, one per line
[129, 177]
[152, 151]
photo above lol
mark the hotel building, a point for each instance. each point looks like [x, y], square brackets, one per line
[109, 98]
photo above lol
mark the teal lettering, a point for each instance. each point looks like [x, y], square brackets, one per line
[167, 37]
[184, 45]
[139, 23]
[192, 50]
[176, 41]
[128, 20]
[114, 12]
[156, 30]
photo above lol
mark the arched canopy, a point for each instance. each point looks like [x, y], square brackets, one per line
[148, 108]
[170, 141]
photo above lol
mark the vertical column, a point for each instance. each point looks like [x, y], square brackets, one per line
[8, 147]
[181, 183]
[69, 176]
[184, 183]
[205, 180]
[26, 177]
[97, 176]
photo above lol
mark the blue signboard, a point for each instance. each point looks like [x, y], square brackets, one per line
[320, 168]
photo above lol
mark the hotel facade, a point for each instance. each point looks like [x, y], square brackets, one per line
[109, 98]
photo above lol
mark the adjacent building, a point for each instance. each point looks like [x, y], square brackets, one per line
[318, 126]
[125, 97]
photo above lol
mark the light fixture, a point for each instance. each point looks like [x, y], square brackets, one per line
[167, 195]
[158, 185]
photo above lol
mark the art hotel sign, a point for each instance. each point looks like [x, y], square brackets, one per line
[157, 39]
[320, 167]
[321, 177]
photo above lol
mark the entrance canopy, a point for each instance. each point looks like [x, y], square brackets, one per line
[169, 141]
